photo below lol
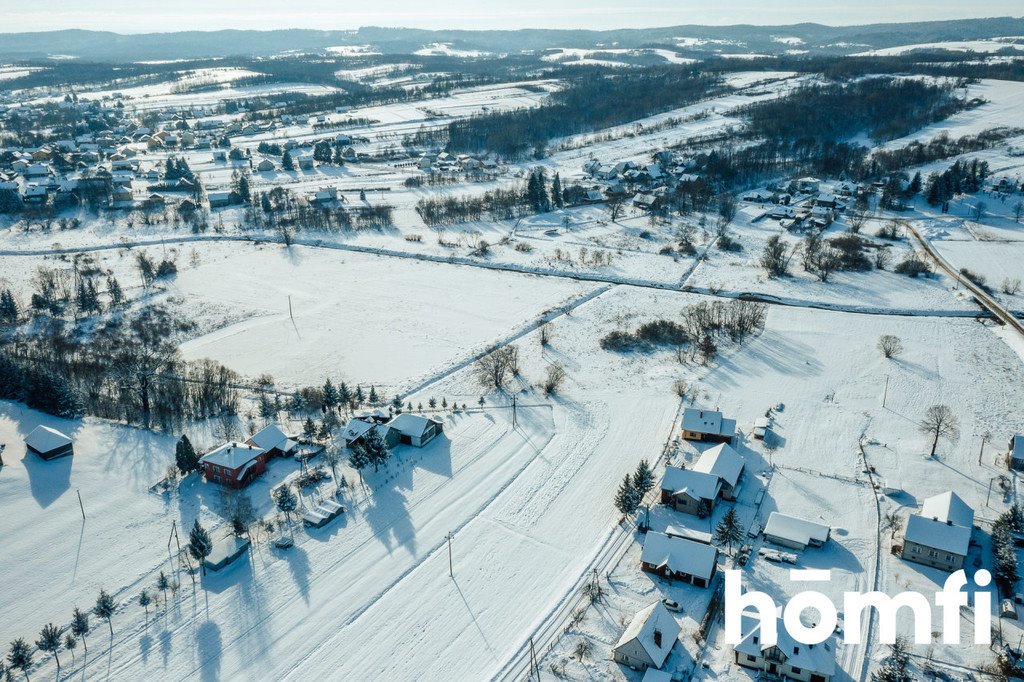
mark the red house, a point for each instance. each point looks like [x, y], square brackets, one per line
[234, 465]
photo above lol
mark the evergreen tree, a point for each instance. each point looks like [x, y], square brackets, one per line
[20, 656]
[330, 395]
[396, 403]
[374, 399]
[162, 583]
[70, 643]
[8, 307]
[377, 450]
[359, 398]
[627, 498]
[643, 478]
[114, 291]
[80, 626]
[52, 394]
[344, 394]
[358, 459]
[729, 531]
[915, 184]
[105, 609]
[50, 642]
[185, 456]
[557, 199]
[145, 600]
[286, 502]
[309, 429]
[287, 163]
[199, 544]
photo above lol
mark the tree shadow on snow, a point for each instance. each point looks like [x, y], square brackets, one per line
[210, 649]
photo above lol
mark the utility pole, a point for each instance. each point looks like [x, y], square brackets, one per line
[514, 412]
[451, 571]
[885, 394]
[80, 505]
[982, 451]
[534, 670]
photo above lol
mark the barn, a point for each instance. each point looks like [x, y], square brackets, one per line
[49, 443]
[415, 429]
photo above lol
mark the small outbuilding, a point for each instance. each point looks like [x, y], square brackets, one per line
[794, 532]
[225, 551]
[415, 429]
[49, 443]
[1015, 458]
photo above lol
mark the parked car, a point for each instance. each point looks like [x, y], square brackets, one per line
[671, 604]
[284, 542]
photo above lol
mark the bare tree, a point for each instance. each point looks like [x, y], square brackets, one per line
[857, 220]
[940, 422]
[978, 211]
[554, 377]
[893, 523]
[545, 333]
[890, 345]
[493, 369]
[1011, 287]
[774, 259]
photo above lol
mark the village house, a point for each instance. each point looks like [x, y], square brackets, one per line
[707, 426]
[1015, 456]
[689, 491]
[357, 428]
[234, 465]
[725, 463]
[648, 639]
[415, 429]
[273, 441]
[794, 532]
[49, 443]
[675, 558]
[940, 534]
[219, 199]
[788, 658]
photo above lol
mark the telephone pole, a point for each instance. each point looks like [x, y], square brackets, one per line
[514, 423]
[80, 505]
[451, 570]
[885, 394]
[534, 669]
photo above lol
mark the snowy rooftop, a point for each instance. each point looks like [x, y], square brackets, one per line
[232, 455]
[44, 439]
[643, 626]
[721, 461]
[271, 436]
[818, 658]
[679, 555]
[1017, 447]
[947, 507]
[707, 421]
[697, 484]
[944, 523]
[412, 424]
[795, 529]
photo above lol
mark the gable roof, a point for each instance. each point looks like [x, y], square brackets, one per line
[721, 461]
[817, 658]
[642, 627]
[679, 555]
[232, 455]
[707, 421]
[795, 529]
[270, 437]
[45, 439]
[412, 425]
[697, 484]
[947, 507]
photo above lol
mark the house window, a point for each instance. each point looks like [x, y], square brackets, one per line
[796, 671]
[949, 557]
[933, 554]
[755, 639]
[915, 549]
[752, 659]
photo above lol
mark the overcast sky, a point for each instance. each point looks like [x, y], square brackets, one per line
[140, 16]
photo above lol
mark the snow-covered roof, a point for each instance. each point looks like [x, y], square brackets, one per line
[45, 439]
[721, 461]
[232, 455]
[270, 437]
[697, 484]
[1017, 447]
[947, 507]
[679, 555]
[707, 421]
[643, 626]
[944, 523]
[655, 675]
[412, 425]
[795, 529]
[815, 658]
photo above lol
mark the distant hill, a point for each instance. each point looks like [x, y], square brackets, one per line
[115, 47]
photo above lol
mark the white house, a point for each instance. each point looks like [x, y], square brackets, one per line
[648, 639]
[725, 463]
[788, 658]
[940, 534]
[795, 533]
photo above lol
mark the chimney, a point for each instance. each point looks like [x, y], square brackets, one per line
[657, 638]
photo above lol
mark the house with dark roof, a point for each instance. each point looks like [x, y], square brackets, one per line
[690, 491]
